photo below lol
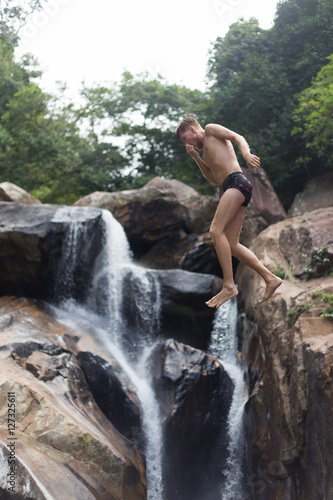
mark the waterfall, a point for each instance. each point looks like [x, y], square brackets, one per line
[122, 308]
[223, 346]
[121, 304]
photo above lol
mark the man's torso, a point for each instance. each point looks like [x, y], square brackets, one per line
[220, 157]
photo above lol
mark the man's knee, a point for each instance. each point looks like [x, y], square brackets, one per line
[213, 233]
[216, 232]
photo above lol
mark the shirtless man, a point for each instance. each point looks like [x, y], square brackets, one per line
[221, 168]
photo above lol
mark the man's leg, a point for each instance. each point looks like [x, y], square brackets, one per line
[247, 257]
[227, 210]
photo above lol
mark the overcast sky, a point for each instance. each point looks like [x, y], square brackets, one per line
[95, 41]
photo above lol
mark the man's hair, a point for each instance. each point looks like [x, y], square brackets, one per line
[187, 122]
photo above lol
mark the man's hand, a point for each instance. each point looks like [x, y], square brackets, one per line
[191, 151]
[252, 161]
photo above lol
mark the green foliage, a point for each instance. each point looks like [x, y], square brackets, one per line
[262, 83]
[255, 77]
[313, 117]
[144, 112]
[320, 264]
[13, 15]
[278, 271]
[41, 148]
[295, 312]
[327, 298]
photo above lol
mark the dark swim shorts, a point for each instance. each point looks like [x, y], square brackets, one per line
[238, 181]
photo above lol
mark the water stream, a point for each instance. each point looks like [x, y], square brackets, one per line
[223, 346]
[123, 322]
[122, 306]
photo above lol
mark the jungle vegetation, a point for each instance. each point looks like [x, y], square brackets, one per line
[273, 86]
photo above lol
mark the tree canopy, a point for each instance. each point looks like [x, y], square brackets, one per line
[256, 76]
[272, 86]
[314, 118]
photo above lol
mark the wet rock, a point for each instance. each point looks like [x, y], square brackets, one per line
[201, 257]
[194, 393]
[184, 315]
[111, 395]
[34, 261]
[31, 244]
[287, 347]
[64, 443]
[11, 192]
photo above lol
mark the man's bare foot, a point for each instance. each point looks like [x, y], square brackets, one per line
[271, 286]
[222, 297]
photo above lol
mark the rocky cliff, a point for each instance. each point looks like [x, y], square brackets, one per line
[53, 434]
[287, 348]
[77, 413]
[77, 420]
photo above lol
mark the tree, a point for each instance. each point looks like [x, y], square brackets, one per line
[255, 78]
[303, 37]
[41, 146]
[314, 119]
[14, 15]
[143, 112]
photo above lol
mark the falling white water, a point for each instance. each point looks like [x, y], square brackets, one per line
[223, 346]
[117, 279]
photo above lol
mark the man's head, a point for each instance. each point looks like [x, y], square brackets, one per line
[189, 131]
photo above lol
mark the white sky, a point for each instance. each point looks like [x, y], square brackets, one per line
[95, 41]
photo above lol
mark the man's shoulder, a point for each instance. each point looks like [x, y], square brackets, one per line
[212, 128]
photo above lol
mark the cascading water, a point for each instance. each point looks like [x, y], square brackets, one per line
[223, 346]
[106, 309]
[122, 307]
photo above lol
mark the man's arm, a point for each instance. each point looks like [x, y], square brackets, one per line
[224, 133]
[206, 171]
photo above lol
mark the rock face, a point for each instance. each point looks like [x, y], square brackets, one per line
[288, 349]
[194, 393]
[160, 220]
[63, 442]
[184, 314]
[11, 192]
[264, 209]
[318, 193]
[146, 214]
[167, 222]
[31, 243]
[33, 255]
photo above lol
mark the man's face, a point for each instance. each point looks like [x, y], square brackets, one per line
[190, 136]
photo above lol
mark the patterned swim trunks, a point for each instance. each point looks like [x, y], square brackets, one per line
[238, 181]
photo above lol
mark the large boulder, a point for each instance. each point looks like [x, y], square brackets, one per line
[11, 192]
[184, 314]
[146, 214]
[317, 193]
[61, 440]
[264, 209]
[194, 392]
[167, 222]
[33, 254]
[161, 210]
[31, 246]
[301, 246]
[287, 346]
